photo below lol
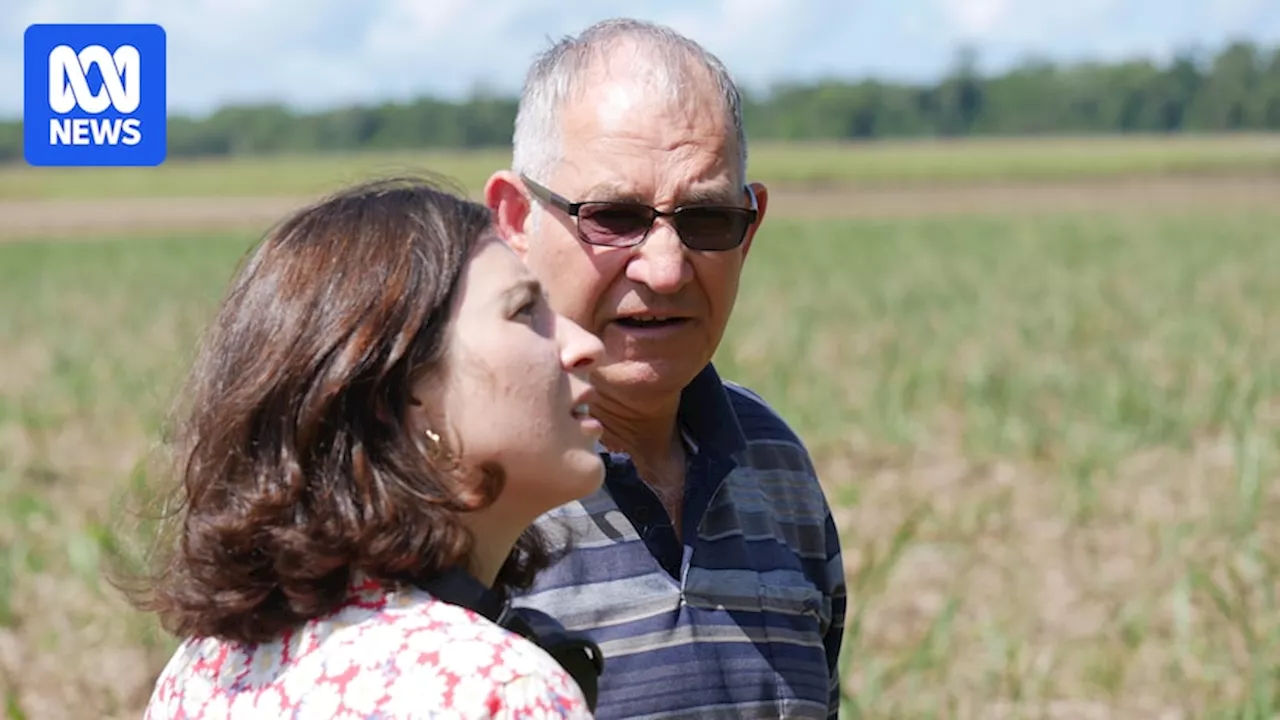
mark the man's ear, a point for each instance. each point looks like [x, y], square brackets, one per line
[762, 204]
[504, 194]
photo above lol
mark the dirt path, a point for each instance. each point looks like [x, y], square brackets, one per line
[28, 219]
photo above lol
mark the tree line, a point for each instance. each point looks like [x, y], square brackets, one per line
[1234, 89]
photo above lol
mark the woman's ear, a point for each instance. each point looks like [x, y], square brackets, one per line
[417, 417]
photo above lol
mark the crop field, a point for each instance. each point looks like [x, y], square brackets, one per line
[1040, 380]
[913, 162]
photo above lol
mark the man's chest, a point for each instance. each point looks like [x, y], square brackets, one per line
[736, 622]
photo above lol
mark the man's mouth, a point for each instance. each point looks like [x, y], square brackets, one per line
[650, 321]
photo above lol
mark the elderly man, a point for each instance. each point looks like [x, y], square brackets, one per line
[708, 567]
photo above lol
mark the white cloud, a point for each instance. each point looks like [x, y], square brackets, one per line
[1027, 21]
[1231, 12]
[977, 18]
[316, 53]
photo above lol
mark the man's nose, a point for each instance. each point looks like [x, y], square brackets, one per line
[661, 262]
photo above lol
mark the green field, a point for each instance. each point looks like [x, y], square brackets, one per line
[1051, 442]
[904, 162]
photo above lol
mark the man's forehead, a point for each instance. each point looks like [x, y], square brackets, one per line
[640, 170]
[712, 190]
[624, 142]
[637, 103]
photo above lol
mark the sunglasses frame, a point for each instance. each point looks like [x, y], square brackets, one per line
[573, 209]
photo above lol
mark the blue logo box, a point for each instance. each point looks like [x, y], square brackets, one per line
[94, 95]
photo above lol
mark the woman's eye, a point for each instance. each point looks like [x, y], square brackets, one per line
[527, 309]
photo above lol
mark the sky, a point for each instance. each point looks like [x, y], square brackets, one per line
[316, 54]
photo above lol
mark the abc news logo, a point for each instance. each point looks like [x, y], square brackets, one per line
[94, 95]
[69, 89]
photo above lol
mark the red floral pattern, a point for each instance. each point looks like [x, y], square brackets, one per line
[391, 656]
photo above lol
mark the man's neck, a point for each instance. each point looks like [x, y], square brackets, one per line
[648, 432]
[651, 437]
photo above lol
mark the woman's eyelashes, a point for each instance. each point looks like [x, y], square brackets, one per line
[527, 308]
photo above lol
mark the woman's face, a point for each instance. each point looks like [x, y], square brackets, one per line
[515, 388]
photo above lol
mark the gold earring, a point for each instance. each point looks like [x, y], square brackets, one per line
[436, 453]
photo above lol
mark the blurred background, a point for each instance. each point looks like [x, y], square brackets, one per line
[1016, 290]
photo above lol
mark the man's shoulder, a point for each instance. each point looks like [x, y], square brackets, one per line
[763, 425]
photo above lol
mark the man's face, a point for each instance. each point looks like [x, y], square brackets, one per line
[620, 144]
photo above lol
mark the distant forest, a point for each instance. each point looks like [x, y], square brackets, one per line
[1234, 89]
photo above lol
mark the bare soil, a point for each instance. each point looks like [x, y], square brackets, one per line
[102, 218]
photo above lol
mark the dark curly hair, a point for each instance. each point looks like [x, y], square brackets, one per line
[293, 459]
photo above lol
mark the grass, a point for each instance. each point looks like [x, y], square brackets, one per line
[966, 161]
[91, 340]
[1051, 444]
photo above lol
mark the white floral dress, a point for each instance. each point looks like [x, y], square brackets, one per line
[391, 656]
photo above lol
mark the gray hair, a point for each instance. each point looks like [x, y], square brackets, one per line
[556, 76]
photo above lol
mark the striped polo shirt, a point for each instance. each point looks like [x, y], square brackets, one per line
[741, 619]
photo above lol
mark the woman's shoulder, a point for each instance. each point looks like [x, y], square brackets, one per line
[394, 655]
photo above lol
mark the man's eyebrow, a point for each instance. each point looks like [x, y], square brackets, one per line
[710, 196]
[610, 191]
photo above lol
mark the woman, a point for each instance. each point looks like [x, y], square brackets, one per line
[384, 398]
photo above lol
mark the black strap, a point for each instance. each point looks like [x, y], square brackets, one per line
[577, 653]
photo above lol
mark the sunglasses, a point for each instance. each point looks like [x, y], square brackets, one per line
[627, 224]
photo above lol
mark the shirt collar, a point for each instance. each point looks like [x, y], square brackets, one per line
[707, 413]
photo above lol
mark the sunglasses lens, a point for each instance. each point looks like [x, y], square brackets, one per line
[614, 223]
[712, 228]
[624, 224]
